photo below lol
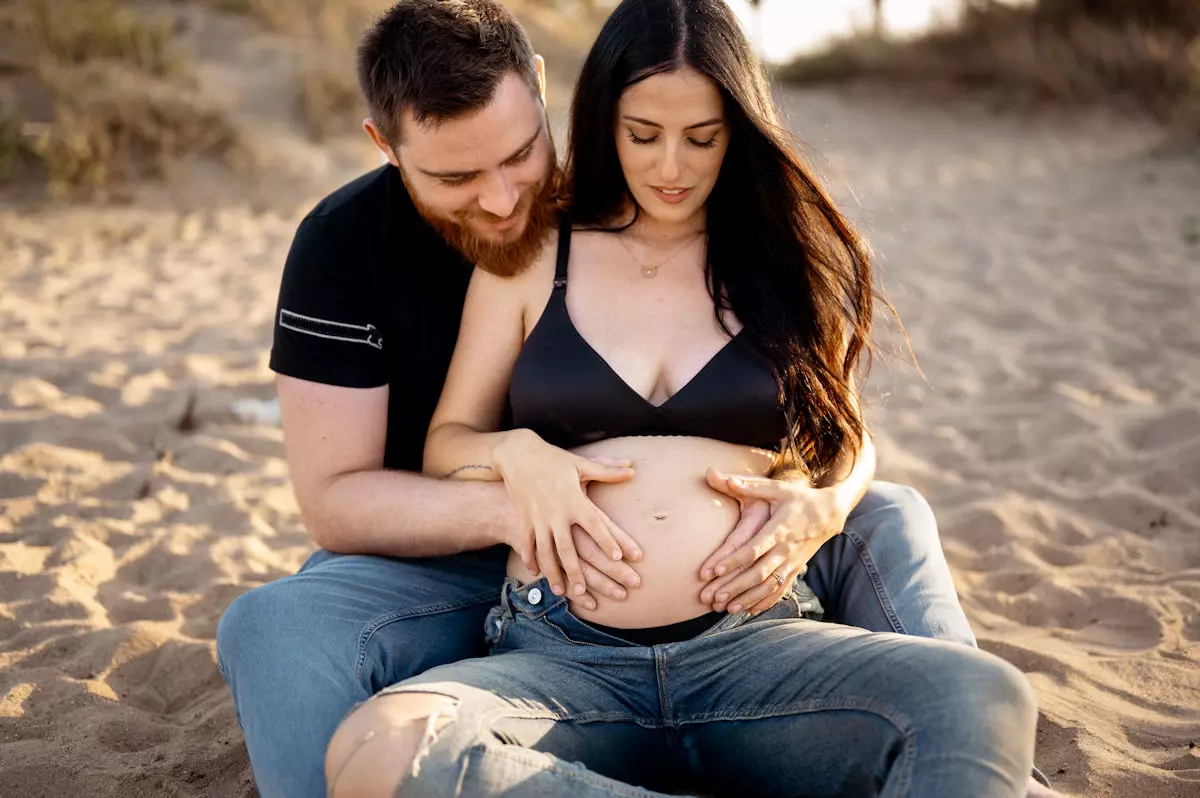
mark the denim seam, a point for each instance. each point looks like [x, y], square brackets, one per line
[489, 719]
[664, 686]
[400, 615]
[876, 580]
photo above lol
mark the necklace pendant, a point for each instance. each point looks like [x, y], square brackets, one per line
[649, 271]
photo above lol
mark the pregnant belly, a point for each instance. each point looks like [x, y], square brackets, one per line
[674, 516]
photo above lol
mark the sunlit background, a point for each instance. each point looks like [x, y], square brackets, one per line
[1029, 179]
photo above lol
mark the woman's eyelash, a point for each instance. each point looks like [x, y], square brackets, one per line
[704, 145]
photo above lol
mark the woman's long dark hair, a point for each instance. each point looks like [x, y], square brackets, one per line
[780, 256]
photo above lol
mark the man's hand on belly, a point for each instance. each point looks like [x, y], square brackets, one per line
[604, 576]
[782, 527]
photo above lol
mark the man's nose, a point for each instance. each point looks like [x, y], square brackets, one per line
[499, 196]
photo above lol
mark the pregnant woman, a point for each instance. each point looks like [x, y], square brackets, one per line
[700, 313]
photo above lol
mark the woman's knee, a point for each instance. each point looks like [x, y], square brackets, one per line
[995, 697]
[380, 744]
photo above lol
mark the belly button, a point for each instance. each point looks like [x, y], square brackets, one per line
[660, 516]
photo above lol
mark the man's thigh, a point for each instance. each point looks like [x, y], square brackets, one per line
[886, 572]
[299, 652]
[377, 619]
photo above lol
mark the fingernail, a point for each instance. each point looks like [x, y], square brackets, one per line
[707, 573]
[706, 597]
[616, 554]
[736, 608]
[617, 594]
[722, 597]
[720, 570]
[736, 480]
[579, 590]
[591, 605]
[556, 590]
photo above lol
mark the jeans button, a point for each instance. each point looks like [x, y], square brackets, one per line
[535, 596]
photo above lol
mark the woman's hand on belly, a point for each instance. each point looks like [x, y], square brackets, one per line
[677, 519]
[546, 485]
[783, 525]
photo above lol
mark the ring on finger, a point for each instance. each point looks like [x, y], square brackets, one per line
[778, 577]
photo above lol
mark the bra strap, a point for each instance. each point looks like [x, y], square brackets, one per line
[564, 251]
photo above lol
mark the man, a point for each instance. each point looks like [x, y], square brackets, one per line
[369, 308]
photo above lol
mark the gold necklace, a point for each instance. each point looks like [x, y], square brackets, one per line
[651, 269]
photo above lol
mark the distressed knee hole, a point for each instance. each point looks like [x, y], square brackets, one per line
[383, 741]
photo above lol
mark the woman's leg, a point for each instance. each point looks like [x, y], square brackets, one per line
[517, 724]
[788, 708]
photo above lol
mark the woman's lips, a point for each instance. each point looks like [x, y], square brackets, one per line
[672, 195]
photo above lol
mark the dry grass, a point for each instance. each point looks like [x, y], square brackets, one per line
[1074, 50]
[103, 97]
[10, 140]
[80, 31]
[330, 102]
[335, 23]
[110, 126]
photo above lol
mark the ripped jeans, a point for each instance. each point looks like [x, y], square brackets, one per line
[777, 705]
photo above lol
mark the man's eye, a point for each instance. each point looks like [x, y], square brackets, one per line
[637, 140]
[454, 181]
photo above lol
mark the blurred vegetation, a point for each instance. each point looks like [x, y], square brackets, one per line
[94, 93]
[1076, 50]
[97, 95]
[335, 23]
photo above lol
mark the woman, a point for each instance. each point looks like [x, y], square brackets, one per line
[705, 305]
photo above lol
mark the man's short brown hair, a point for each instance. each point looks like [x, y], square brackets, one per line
[440, 59]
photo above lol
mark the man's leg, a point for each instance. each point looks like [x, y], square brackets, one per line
[886, 572]
[298, 653]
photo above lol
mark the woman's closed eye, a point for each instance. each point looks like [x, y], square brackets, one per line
[707, 144]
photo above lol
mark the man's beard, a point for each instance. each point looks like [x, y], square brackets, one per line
[508, 258]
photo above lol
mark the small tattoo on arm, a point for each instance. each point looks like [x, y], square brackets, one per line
[469, 468]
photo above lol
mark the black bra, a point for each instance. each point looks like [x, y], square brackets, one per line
[563, 390]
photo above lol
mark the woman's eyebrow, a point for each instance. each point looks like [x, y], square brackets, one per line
[648, 123]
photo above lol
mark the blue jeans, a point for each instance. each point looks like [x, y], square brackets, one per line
[772, 706]
[298, 653]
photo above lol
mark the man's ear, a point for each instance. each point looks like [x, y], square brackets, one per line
[380, 142]
[541, 70]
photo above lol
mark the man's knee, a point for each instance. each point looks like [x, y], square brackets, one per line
[383, 741]
[247, 626]
[892, 508]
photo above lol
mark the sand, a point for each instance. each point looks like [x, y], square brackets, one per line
[1047, 266]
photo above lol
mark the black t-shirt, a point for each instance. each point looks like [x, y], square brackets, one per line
[372, 296]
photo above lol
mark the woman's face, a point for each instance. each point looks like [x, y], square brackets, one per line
[671, 139]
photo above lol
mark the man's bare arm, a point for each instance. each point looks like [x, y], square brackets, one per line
[335, 440]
